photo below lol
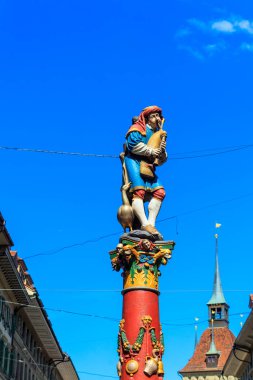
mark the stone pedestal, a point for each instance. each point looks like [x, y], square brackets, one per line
[140, 338]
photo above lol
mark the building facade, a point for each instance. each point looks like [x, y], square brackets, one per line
[29, 349]
[240, 360]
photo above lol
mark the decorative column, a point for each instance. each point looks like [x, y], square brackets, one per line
[140, 337]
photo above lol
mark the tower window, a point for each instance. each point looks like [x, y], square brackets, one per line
[218, 314]
[212, 361]
[213, 313]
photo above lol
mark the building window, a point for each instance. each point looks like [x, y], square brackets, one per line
[1, 353]
[19, 324]
[11, 364]
[31, 342]
[1, 306]
[23, 333]
[25, 372]
[3, 314]
[27, 341]
[21, 369]
[212, 361]
[18, 368]
[218, 314]
[9, 319]
[6, 359]
[37, 354]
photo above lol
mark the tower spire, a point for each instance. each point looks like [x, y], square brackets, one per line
[217, 305]
[217, 296]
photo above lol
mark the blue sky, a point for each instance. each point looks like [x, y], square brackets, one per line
[72, 75]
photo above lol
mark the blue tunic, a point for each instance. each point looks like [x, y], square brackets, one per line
[132, 162]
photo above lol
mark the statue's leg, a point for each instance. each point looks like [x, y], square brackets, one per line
[153, 209]
[155, 205]
[138, 206]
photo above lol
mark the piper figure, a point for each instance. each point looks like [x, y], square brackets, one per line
[139, 151]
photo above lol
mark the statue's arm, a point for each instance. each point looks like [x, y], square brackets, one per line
[136, 146]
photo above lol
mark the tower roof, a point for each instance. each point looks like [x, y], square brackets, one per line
[223, 340]
[216, 342]
[217, 296]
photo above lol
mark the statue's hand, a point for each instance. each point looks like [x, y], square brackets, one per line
[163, 145]
[156, 152]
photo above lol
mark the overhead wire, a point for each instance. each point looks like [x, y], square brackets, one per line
[200, 321]
[105, 317]
[205, 150]
[63, 153]
[228, 150]
[33, 361]
[61, 310]
[164, 291]
[52, 366]
[206, 207]
[216, 151]
[97, 374]
[48, 253]
[102, 237]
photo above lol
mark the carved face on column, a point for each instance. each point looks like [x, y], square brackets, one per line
[119, 249]
[146, 244]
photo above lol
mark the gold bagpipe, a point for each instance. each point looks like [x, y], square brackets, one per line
[147, 169]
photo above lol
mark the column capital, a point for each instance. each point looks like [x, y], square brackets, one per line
[140, 260]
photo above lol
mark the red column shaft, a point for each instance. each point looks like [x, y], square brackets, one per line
[136, 304]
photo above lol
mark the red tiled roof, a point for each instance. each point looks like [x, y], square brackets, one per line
[223, 339]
